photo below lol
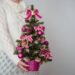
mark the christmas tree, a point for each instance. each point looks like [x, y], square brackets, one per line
[32, 44]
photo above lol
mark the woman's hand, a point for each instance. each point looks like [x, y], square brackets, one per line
[22, 65]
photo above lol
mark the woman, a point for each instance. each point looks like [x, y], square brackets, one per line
[12, 14]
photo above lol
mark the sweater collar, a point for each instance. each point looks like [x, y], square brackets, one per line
[14, 3]
[21, 6]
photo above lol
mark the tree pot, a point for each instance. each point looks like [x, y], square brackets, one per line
[33, 65]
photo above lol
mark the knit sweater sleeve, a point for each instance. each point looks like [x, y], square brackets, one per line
[5, 37]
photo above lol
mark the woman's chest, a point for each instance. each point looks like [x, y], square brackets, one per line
[15, 20]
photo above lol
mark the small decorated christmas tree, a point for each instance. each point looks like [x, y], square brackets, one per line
[32, 44]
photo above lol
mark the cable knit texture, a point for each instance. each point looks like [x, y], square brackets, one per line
[7, 67]
[11, 20]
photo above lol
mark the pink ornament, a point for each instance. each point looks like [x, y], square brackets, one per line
[40, 33]
[24, 28]
[45, 42]
[42, 27]
[20, 55]
[19, 48]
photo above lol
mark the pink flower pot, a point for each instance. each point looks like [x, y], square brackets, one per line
[33, 65]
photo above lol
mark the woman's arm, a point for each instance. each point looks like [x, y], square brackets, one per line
[5, 37]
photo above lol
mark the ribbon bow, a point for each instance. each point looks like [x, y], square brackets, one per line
[35, 12]
[29, 37]
[39, 28]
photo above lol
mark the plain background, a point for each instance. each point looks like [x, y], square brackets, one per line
[59, 18]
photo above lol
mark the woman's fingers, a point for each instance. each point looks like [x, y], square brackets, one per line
[25, 65]
[23, 68]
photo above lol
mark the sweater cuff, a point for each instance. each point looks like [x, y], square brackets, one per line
[14, 59]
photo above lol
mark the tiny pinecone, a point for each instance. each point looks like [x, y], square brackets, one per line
[32, 44]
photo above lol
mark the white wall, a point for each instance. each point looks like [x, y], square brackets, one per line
[59, 17]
